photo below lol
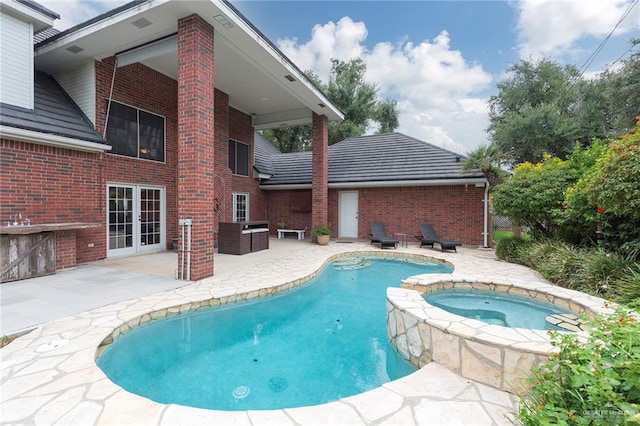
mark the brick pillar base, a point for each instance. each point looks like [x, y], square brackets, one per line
[320, 174]
[196, 139]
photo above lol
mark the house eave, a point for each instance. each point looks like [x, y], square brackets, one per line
[30, 136]
[476, 181]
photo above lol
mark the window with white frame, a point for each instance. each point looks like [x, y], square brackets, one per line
[240, 206]
[135, 133]
[238, 158]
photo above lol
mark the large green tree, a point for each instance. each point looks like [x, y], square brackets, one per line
[531, 114]
[624, 93]
[356, 98]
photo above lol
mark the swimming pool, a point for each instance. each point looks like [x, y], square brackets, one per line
[318, 343]
[498, 308]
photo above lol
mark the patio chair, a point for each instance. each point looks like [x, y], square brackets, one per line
[429, 238]
[378, 236]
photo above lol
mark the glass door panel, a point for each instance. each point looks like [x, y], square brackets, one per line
[120, 220]
[150, 217]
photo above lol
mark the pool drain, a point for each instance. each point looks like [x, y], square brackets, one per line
[240, 392]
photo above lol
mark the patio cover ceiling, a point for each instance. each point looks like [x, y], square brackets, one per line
[258, 78]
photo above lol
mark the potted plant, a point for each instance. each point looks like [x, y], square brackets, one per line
[322, 233]
[282, 224]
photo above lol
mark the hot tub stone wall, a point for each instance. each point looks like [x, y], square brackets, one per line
[497, 356]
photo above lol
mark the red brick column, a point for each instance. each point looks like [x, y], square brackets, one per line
[196, 139]
[320, 176]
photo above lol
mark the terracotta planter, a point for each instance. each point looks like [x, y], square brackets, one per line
[323, 240]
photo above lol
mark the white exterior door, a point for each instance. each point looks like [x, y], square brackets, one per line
[136, 219]
[348, 207]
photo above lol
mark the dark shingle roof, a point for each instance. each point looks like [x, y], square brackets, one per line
[375, 158]
[263, 151]
[53, 113]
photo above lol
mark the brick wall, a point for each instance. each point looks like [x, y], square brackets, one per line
[320, 169]
[141, 87]
[196, 142]
[55, 185]
[457, 212]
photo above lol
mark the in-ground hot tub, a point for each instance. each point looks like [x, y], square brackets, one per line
[497, 356]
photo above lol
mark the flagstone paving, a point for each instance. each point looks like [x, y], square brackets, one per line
[49, 376]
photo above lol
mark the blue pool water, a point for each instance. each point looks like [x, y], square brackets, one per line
[318, 343]
[497, 308]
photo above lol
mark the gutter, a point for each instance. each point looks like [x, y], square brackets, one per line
[30, 136]
[381, 184]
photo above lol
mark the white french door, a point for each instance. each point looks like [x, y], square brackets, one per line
[136, 219]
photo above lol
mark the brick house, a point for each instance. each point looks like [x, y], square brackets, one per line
[147, 115]
[391, 178]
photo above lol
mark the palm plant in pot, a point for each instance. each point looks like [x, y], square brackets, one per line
[322, 233]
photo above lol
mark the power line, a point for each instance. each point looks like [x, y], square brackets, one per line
[595, 53]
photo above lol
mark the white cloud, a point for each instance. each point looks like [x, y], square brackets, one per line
[551, 28]
[73, 12]
[433, 84]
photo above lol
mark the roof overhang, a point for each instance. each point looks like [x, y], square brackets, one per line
[259, 79]
[38, 15]
[22, 135]
[478, 182]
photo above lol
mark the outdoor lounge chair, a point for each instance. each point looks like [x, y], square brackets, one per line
[379, 237]
[429, 237]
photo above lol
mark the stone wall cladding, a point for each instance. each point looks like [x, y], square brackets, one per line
[497, 356]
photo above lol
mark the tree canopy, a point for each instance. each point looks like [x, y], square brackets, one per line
[544, 107]
[356, 98]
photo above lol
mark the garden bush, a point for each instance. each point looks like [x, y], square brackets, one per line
[590, 270]
[592, 379]
[510, 249]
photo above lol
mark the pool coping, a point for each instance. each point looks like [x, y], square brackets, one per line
[50, 375]
[497, 356]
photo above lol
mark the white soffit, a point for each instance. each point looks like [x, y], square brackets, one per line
[151, 50]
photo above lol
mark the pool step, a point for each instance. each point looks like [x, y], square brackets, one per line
[343, 265]
[569, 322]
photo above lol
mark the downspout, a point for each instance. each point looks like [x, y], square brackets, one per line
[486, 215]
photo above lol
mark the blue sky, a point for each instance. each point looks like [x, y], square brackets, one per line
[440, 60]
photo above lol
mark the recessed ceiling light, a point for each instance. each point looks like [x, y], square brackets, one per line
[321, 105]
[141, 23]
[289, 77]
[75, 49]
[265, 99]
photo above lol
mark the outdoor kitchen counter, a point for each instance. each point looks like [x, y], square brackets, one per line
[45, 227]
[28, 251]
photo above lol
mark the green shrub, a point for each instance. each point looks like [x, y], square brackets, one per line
[627, 289]
[510, 249]
[592, 379]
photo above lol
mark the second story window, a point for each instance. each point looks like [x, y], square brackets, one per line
[135, 133]
[238, 158]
